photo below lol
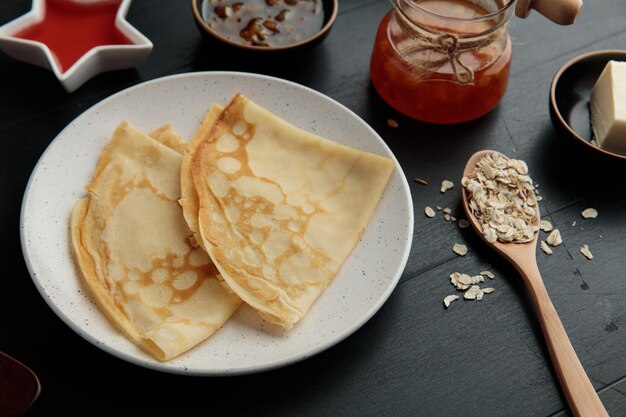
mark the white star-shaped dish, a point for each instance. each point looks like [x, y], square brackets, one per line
[98, 59]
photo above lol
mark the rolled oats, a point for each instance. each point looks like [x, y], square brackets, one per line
[464, 281]
[469, 284]
[488, 274]
[454, 280]
[449, 299]
[473, 293]
[546, 226]
[502, 197]
[545, 248]
[446, 185]
[554, 238]
[584, 249]
[589, 213]
[459, 249]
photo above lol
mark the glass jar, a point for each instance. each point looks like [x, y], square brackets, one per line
[443, 61]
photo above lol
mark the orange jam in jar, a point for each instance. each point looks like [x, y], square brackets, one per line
[443, 61]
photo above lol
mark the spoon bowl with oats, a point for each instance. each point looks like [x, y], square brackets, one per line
[499, 199]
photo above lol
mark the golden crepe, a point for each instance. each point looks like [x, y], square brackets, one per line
[189, 195]
[166, 135]
[281, 208]
[131, 243]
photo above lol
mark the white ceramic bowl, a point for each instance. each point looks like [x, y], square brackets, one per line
[96, 60]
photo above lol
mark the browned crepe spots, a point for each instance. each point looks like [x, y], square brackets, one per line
[281, 208]
[130, 240]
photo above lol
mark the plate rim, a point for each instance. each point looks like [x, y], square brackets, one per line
[251, 369]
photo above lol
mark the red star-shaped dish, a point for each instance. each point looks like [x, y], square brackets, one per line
[75, 39]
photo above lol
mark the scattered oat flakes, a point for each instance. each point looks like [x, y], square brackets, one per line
[589, 213]
[392, 123]
[539, 198]
[584, 249]
[459, 249]
[488, 274]
[463, 223]
[546, 226]
[446, 216]
[574, 223]
[455, 280]
[544, 247]
[475, 279]
[420, 181]
[447, 210]
[554, 238]
[502, 197]
[438, 208]
[449, 299]
[446, 185]
[429, 212]
[472, 293]
[469, 284]
[464, 281]
[452, 218]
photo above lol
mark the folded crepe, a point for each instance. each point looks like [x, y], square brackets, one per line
[189, 195]
[132, 245]
[166, 135]
[280, 209]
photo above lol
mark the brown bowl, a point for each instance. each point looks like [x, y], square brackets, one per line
[570, 93]
[20, 387]
[330, 14]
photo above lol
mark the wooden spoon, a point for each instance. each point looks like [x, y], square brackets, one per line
[581, 396]
[563, 12]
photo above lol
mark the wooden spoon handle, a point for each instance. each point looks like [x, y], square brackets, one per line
[581, 396]
[563, 12]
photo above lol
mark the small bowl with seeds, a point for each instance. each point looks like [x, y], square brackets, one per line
[265, 25]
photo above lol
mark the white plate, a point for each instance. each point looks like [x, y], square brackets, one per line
[244, 344]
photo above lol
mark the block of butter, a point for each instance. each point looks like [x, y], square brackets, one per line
[608, 108]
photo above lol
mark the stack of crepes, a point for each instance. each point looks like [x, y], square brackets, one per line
[172, 236]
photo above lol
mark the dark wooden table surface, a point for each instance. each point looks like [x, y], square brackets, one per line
[412, 358]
